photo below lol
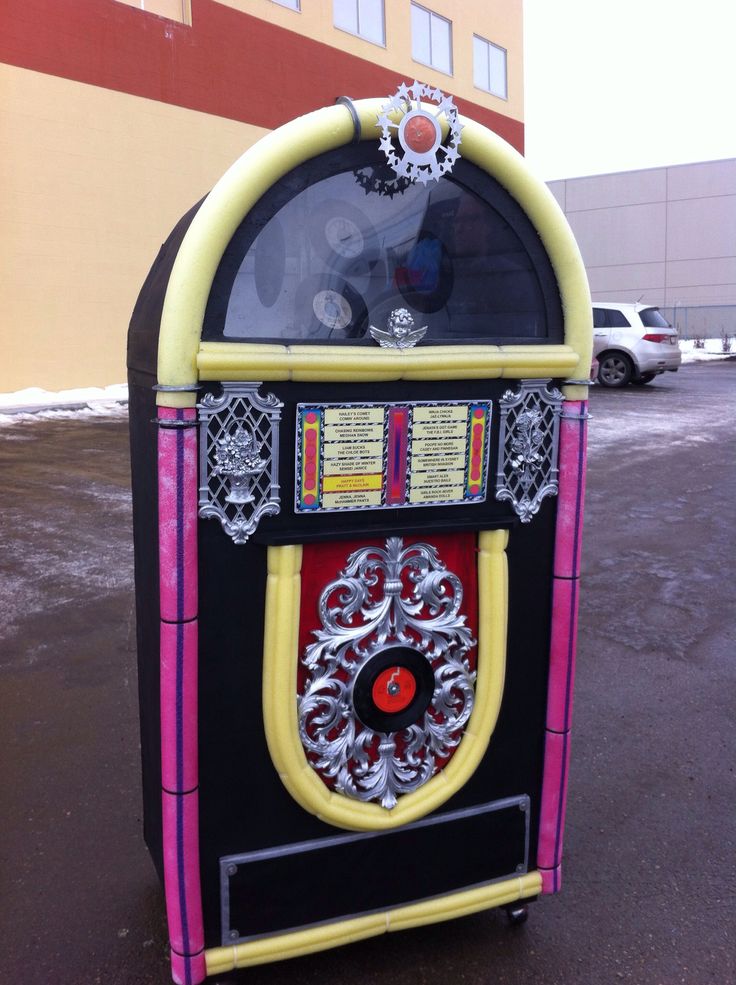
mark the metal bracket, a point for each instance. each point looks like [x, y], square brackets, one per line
[528, 445]
[170, 423]
[349, 105]
[239, 458]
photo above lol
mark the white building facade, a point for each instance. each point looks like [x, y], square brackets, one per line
[665, 236]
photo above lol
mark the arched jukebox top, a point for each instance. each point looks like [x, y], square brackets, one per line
[375, 241]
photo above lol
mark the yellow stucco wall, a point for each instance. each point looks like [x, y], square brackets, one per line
[93, 180]
[92, 183]
[498, 21]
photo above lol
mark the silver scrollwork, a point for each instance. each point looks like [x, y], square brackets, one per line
[238, 457]
[239, 449]
[528, 446]
[386, 597]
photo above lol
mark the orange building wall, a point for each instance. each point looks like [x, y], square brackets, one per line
[114, 122]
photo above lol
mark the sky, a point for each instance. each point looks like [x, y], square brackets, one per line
[617, 85]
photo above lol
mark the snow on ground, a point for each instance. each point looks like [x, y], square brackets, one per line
[712, 349]
[37, 404]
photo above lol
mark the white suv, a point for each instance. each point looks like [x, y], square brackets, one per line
[632, 343]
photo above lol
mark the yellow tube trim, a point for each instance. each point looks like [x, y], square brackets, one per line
[250, 177]
[242, 361]
[575, 392]
[312, 939]
[280, 663]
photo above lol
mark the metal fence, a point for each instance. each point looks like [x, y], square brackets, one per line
[702, 321]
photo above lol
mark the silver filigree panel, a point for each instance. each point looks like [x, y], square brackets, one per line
[238, 457]
[386, 597]
[528, 446]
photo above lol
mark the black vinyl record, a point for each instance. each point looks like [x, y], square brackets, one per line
[403, 665]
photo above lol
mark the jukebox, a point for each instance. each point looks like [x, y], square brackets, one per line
[358, 376]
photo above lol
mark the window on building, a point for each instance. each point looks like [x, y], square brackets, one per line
[174, 10]
[431, 39]
[291, 4]
[489, 67]
[361, 17]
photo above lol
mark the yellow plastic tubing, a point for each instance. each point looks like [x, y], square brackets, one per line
[280, 660]
[299, 942]
[261, 166]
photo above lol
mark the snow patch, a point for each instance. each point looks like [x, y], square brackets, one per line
[34, 403]
[712, 349]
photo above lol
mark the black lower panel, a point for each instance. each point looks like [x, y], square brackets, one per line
[351, 874]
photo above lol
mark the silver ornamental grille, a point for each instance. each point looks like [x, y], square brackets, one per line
[238, 457]
[528, 446]
[386, 598]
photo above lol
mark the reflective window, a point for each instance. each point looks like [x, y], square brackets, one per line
[609, 318]
[325, 256]
[174, 10]
[489, 67]
[617, 319]
[361, 17]
[653, 318]
[431, 39]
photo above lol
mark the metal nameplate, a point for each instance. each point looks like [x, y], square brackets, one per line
[378, 456]
[246, 870]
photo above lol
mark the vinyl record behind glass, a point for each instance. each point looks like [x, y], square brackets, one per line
[343, 236]
[326, 307]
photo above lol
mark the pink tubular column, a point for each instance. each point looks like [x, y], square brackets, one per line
[177, 506]
[565, 595]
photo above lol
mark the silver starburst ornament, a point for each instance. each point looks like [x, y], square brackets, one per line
[424, 156]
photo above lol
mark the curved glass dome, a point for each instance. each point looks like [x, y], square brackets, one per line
[339, 243]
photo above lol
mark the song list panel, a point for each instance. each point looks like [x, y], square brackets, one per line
[384, 456]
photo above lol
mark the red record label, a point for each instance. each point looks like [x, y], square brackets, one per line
[394, 689]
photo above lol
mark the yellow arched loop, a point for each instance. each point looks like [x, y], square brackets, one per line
[183, 360]
[280, 662]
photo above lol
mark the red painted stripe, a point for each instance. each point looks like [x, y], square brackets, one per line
[397, 465]
[227, 64]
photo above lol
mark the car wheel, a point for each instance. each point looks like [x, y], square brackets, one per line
[615, 369]
[644, 378]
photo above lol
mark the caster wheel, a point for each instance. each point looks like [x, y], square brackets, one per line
[517, 915]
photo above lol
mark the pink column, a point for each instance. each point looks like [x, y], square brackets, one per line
[565, 585]
[177, 506]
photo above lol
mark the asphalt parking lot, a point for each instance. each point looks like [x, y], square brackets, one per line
[650, 874]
